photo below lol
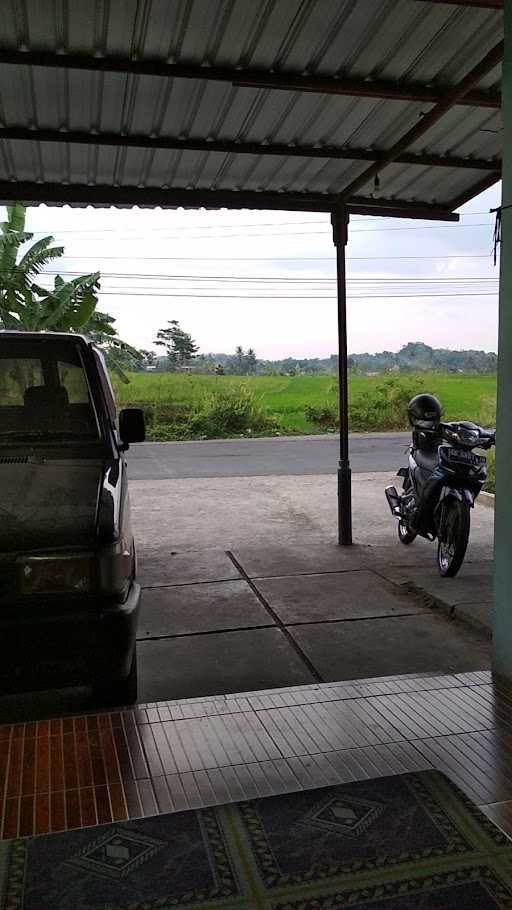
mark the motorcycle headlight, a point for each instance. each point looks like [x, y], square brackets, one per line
[468, 437]
[71, 574]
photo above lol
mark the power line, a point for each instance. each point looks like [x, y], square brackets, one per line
[269, 258]
[324, 233]
[279, 279]
[306, 292]
[369, 296]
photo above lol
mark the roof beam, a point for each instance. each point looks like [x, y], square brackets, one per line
[475, 190]
[156, 197]
[482, 69]
[251, 78]
[474, 4]
[228, 147]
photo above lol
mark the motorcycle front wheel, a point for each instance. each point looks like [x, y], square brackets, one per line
[405, 535]
[452, 548]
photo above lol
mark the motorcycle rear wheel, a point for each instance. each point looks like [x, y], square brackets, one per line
[452, 549]
[405, 535]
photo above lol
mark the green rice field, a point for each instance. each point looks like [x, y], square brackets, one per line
[292, 400]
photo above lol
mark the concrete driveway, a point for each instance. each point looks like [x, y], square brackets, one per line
[245, 588]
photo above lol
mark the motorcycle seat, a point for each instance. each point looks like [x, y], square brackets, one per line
[427, 460]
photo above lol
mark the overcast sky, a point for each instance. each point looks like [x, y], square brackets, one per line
[266, 279]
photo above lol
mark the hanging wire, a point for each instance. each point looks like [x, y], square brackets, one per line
[496, 239]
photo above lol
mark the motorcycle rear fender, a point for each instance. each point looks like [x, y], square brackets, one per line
[462, 495]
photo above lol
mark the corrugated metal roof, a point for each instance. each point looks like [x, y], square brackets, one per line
[402, 41]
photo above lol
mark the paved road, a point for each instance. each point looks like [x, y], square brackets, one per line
[264, 457]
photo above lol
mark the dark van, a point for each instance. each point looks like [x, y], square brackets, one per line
[69, 600]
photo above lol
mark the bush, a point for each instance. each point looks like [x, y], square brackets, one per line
[487, 412]
[230, 411]
[164, 421]
[384, 406]
[324, 417]
[490, 486]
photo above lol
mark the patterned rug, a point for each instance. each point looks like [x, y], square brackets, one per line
[411, 842]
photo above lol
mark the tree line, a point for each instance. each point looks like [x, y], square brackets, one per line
[182, 354]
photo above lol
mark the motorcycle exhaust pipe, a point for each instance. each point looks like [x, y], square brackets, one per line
[393, 501]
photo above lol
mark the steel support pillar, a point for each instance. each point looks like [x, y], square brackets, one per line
[339, 219]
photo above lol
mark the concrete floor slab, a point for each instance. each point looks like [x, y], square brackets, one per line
[165, 566]
[236, 512]
[468, 596]
[478, 615]
[473, 583]
[298, 558]
[345, 595]
[407, 644]
[188, 609]
[215, 664]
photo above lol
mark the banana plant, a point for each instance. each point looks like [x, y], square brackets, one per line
[16, 277]
[70, 306]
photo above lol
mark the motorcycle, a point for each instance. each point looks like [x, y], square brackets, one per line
[440, 488]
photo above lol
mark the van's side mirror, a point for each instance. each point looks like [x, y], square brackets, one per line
[132, 427]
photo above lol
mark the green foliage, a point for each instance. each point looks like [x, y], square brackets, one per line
[180, 346]
[25, 305]
[490, 486]
[70, 306]
[16, 297]
[242, 363]
[487, 411]
[380, 405]
[417, 356]
[324, 417]
[221, 412]
[384, 407]
[230, 412]
[148, 359]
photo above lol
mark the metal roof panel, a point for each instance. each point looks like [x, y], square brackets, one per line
[396, 40]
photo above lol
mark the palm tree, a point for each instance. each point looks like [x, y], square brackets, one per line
[69, 306]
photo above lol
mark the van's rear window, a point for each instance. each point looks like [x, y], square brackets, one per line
[44, 393]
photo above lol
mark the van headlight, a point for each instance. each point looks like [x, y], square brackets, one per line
[116, 566]
[66, 574]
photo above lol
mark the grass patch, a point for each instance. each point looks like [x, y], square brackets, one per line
[490, 486]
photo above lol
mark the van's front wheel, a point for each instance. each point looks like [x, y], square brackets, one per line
[117, 692]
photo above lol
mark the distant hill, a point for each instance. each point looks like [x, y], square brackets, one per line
[418, 356]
